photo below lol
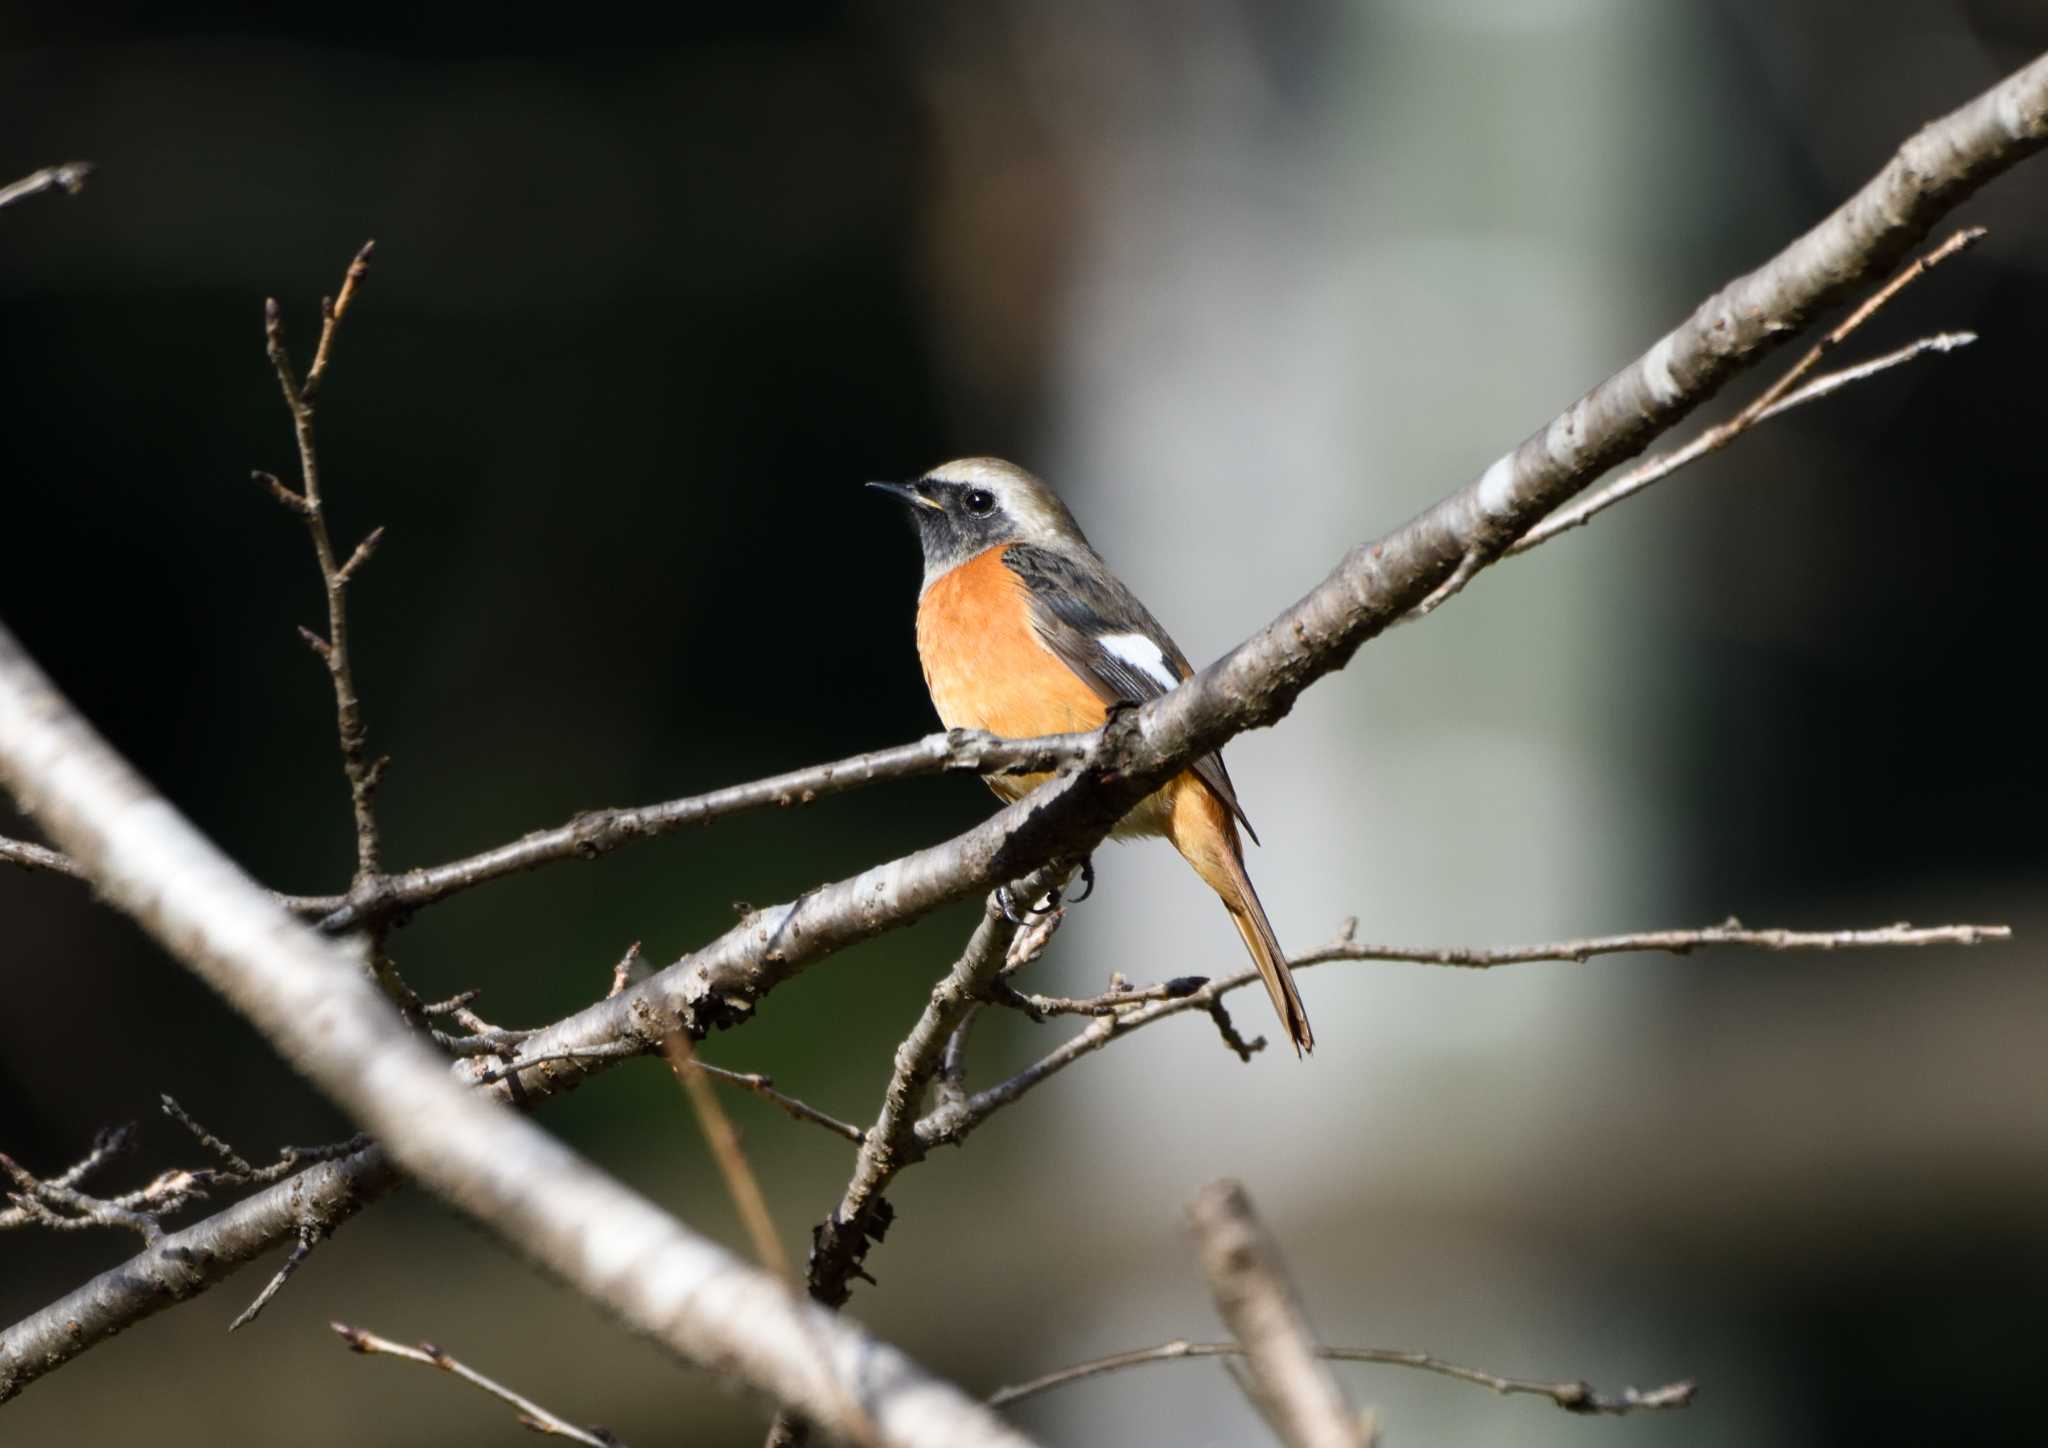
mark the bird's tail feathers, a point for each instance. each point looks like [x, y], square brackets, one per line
[1250, 918]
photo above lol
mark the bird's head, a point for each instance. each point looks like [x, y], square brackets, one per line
[964, 508]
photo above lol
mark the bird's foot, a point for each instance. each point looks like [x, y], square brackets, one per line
[1007, 901]
[1087, 881]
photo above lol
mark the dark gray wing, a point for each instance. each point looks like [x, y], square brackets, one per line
[1097, 627]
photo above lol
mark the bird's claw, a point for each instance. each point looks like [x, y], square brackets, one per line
[1087, 881]
[1008, 903]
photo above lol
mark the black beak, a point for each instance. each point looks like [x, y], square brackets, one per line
[907, 492]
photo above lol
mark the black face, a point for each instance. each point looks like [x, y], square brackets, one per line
[955, 521]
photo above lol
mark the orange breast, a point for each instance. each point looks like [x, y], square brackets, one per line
[985, 667]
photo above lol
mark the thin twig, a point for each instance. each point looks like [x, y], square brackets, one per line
[764, 1087]
[745, 1187]
[623, 1050]
[68, 178]
[595, 833]
[531, 1414]
[625, 972]
[302, 1248]
[752, 1204]
[1573, 1397]
[37, 857]
[1284, 1376]
[1781, 396]
[950, 1124]
[362, 772]
[58, 1204]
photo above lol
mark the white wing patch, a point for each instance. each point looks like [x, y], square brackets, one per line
[1143, 655]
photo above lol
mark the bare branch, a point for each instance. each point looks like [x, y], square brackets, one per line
[361, 772]
[308, 1238]
[331, 314]
[1779, 397]
[764, 1087]
[1297, 1395]
[841, 1241]
[741, 1184]
[752, 1203]
[363, 553]
[58, 1204]
[68, 178]
[309, 995]
[531, 1414]
[37, 857]
[599, 832]
[952, 1123]
[1573, 1397]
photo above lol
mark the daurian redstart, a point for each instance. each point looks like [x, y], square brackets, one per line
[1024, 631]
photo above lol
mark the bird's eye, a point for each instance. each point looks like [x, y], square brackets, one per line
[980, 502]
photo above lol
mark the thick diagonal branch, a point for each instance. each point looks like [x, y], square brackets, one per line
[309, 996]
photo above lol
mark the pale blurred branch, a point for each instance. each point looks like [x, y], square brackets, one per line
[531, 1414]
[1284, 1377]
[68, 178]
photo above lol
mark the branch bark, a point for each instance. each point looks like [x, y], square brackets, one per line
[309, 996]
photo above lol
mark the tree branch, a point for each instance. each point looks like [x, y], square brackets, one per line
[68, 178]
[531, 1414]
[952, 1123]
[362, 772]
[1294, 1391]
[1779, 397]
[309, 996]
[599, 832]
[1573, 1397]
[37, 857]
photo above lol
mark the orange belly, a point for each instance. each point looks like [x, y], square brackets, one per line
[987, 669]
[984, 664]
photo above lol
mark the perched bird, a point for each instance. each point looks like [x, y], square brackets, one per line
[1024, 631]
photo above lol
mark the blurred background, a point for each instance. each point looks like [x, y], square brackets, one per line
[1249, 283]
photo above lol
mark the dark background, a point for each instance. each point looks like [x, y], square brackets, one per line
[649, 302]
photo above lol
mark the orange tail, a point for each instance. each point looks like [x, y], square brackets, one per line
[1203, 831]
